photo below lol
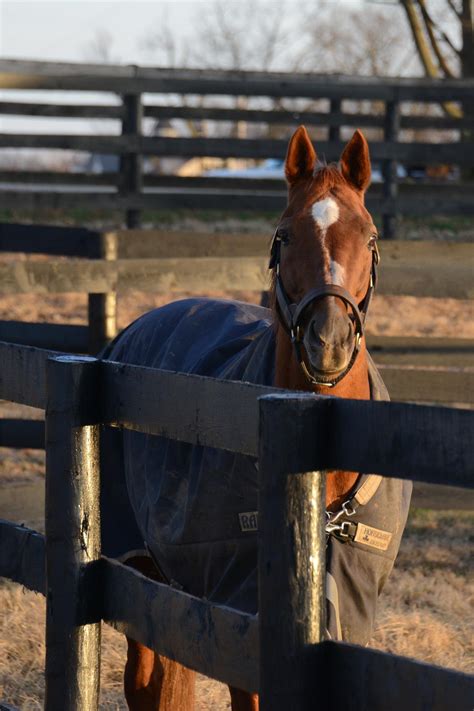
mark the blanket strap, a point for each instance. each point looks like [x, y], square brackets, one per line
[368, 487]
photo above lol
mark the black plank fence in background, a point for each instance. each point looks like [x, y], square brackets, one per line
[281, 653]
[445, 140]
[420, 369]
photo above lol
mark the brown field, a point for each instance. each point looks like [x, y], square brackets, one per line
[423, 613]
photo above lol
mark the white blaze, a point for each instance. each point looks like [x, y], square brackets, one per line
[326, 213]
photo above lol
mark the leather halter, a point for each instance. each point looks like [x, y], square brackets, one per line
[291, 313]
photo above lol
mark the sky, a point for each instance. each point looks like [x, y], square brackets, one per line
[62, 30]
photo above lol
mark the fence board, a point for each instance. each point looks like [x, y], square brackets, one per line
[56, 177]
[23, 374]
[215, 640]
[436, 384]
[47, 239]
[91, 111]
[195, 409]
[430, 444]
[54, 336]
[106, 198]
[297, 116]
[164, 243]
[22, 556]
[214, 113]
[442, 498]
[28, 74]
[452, 193]
[421, 351]
[190, 274]
[360, 678]
[22, 433]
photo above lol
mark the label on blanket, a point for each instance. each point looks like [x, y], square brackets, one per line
[374, 537]
[249, 521]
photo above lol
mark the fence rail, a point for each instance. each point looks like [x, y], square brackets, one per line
[130, 83]
[200, 113]
[425, 443]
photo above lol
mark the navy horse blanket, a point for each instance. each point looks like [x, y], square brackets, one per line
[186, 505]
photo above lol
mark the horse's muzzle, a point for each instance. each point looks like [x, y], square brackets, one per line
[328, 338]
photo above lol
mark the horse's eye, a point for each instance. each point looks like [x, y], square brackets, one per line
[283, 236]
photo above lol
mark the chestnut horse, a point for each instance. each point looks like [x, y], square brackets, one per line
[323, 260]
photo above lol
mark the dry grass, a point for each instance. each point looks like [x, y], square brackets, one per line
[423, 613]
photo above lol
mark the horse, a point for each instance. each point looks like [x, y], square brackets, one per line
[174, 511]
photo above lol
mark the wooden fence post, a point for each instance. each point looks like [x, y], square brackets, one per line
[131, 164]
[292, 552]
[390, 183]
[335, 131]
[102, 308]
[72, 534]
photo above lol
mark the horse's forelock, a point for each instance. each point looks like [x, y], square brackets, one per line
[326, 177]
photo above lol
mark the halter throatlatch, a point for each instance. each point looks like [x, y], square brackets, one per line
[291, 313]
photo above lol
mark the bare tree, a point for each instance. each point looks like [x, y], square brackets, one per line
[365, 41]
[247, 35]
[99, 48]
[440, 54]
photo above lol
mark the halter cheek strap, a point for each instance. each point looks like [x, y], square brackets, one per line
[291, 313]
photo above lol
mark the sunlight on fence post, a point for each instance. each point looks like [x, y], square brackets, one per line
[102, 308]
[72, 534]
[292, 550]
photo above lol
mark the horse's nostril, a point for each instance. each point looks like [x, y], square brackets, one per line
[316, 337]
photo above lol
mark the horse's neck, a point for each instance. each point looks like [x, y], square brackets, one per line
[355, 384]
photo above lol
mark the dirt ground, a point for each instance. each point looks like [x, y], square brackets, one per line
[424, 611]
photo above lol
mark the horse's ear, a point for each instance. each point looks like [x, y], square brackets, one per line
[355, 162]
[300, 157]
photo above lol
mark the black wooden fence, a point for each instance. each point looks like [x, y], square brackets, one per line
[132, 191]
[281, 654]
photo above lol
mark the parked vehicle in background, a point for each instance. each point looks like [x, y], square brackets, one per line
[271, 168]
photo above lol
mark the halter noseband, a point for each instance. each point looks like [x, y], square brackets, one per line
[291, 313]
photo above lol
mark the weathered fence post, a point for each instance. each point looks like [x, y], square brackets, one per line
[292, 550]
[390, 183]
[72, 534]
[131, 164]
[102, 308]
[335, 130]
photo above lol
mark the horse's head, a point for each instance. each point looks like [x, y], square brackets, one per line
[324, 257]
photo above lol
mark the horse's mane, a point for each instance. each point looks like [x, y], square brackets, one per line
[325, 178]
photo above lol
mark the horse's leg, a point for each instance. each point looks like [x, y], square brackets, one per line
[243, 700]
[153, 682]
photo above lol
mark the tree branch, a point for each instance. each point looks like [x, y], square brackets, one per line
[424, 53]
[429, 24]
[454, 9]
